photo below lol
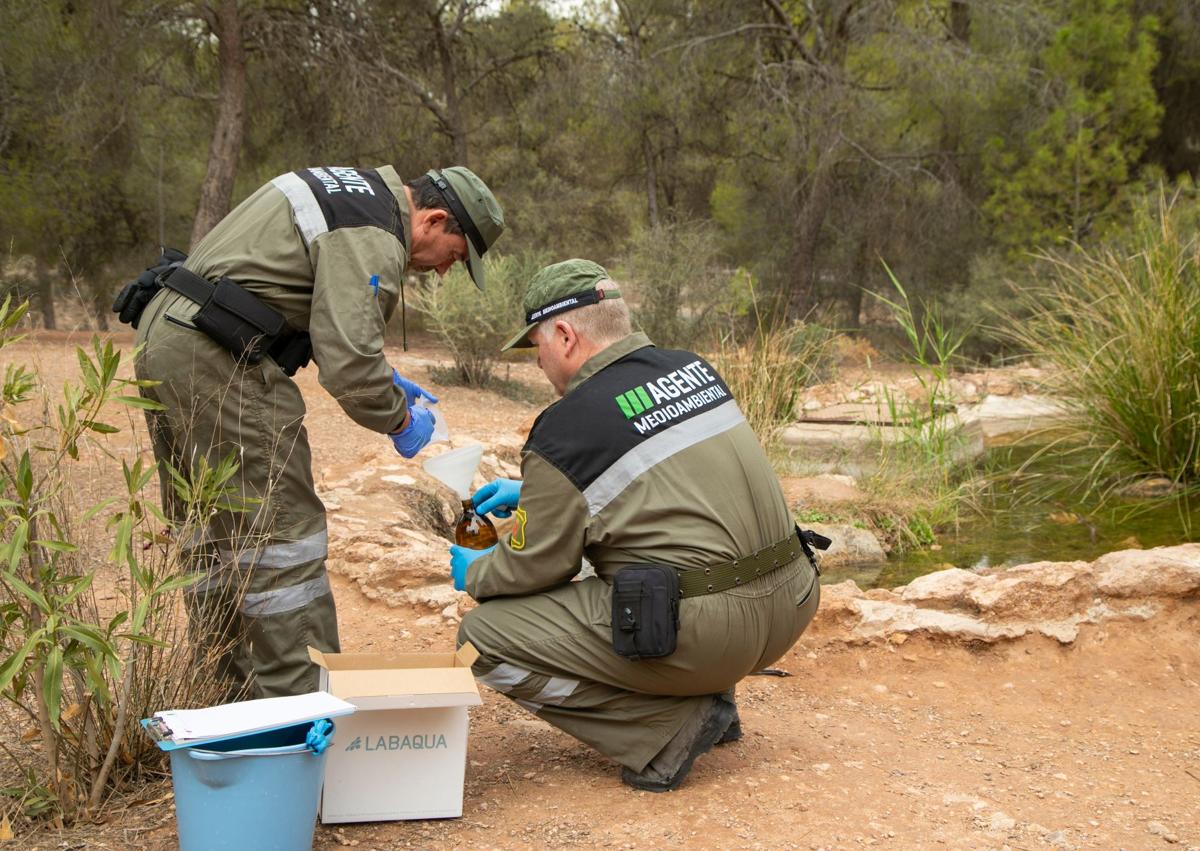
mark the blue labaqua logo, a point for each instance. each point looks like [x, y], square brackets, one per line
[419, 742]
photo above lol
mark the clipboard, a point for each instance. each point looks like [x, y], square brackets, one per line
[187, 728]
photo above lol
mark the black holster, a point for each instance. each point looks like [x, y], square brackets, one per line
[645, 611]
[241, 323]
[131, 301]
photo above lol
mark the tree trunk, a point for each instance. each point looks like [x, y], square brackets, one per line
[217, 190]
[456, 126]
[45, 295]
[102, 308]
[960, 21]
[651, 180]
[807, 234]
[959, 25]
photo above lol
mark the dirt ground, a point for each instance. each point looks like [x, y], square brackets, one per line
[1025, 744]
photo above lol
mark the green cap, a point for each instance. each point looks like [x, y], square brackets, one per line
[475, 208]
[558, 288]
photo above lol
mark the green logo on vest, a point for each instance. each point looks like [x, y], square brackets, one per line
[633, 402]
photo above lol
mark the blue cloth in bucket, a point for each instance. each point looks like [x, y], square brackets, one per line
[252, 792]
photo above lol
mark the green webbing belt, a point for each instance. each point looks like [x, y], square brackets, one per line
[710, 580]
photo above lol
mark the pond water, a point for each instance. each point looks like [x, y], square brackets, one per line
[1014, 529]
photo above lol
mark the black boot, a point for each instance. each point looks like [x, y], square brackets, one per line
[669, 768]
[734, 732]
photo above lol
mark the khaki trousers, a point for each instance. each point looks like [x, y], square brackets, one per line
[552, 653]
[263, 594]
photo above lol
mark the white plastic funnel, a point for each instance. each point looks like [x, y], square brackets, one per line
[441, 431]
[456, 468]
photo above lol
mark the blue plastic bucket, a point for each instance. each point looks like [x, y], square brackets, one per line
[252, 792]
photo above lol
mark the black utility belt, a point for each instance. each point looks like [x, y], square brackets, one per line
[645, 599]
[241, 323]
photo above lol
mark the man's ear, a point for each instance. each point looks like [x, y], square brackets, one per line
[429, 220]
[566, 333]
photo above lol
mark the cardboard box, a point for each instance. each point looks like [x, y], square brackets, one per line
[403, 754]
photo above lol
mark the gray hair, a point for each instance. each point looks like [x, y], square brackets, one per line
[604, 322]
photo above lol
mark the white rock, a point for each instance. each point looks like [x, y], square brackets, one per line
[399, 480]
[847, 590]
[941, 589]
[879, 619]
[1160, 572]
[850, 544]
[1040, 589]
[999, 415]
[1001, 821]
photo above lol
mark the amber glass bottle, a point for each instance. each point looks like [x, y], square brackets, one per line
[474, 531]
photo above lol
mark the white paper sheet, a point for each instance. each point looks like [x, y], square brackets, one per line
[250, 716]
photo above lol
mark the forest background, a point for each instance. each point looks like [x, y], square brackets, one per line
[788, 146]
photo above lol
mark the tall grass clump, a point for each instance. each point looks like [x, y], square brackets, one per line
[472, 324]
[767, 366]
[921, 467]
[92, 635]
[1119, 327]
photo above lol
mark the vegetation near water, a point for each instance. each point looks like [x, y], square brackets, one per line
[1010, 524]
[1119, 325]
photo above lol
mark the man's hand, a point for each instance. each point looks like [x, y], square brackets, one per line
[498, 497]
[460, 560]
[412, 390]
[413, 437]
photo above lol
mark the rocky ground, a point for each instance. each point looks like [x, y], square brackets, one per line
[1049, 706]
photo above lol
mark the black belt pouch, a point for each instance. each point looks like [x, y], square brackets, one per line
[239, 321]
[645, 611]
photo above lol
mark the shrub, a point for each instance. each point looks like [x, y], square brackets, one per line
[83, 674]
[1120, 327]
[677, 289]
[473, 324]
[766, 369]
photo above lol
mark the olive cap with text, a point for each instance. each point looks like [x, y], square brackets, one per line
[476, 210]
[559, 288]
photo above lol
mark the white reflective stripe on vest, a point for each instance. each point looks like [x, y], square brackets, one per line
[305, 208]
[282, 600]
[283, 554]
[657, 449]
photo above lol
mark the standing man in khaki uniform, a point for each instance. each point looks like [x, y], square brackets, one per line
[645, 460]
[311, 263]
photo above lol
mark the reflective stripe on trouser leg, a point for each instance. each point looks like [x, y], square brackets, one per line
[282, 621]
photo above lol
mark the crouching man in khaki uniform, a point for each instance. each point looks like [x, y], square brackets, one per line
[646, 459]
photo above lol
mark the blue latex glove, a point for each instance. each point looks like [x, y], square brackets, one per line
[498, 497]
[412, 391]
[320, 734]
[413, 437]
[460, 560]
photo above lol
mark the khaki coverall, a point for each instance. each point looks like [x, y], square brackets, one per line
[672, 475]
[308, 244]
